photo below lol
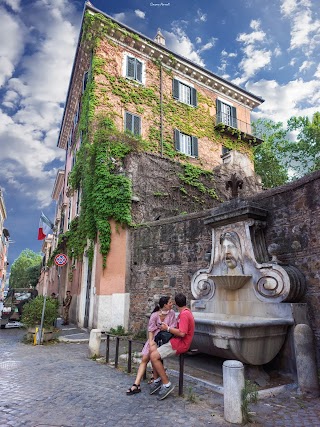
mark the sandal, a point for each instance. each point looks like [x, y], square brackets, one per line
[134, 389]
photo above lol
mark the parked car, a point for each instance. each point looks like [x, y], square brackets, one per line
[13, 304]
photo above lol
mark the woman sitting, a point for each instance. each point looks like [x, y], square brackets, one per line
[162, 313]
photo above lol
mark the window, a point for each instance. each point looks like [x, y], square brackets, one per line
[132, 123]
[134, 68]
[186, 144]
[226, 114]
[184, 93]
[225, 150]
[85, 80]
[69, 212]
[78, 201]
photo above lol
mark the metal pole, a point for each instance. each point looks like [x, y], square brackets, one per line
[129, 355]
[117, 353]
[181, 368]
[108, 348]
[39, 341]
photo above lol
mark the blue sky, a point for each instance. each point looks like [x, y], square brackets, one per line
[270, 48]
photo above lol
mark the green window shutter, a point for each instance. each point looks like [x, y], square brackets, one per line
[218, 115]
[175, 88]
[194, 146]
[139, 71]
[234, 117]
[131, 62]
[128, 122]
[177, 139]
[85, 81]
[194, 97]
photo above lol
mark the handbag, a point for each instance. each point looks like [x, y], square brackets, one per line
[163, 337]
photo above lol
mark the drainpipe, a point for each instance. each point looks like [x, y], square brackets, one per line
[161, 113]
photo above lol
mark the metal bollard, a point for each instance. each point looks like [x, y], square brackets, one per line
[107, 348]
[181, 369]
[116, 358]
[129, 355]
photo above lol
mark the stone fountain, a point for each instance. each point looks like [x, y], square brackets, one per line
[243, 300]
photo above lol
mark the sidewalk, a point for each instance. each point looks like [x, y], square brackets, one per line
[281, 406]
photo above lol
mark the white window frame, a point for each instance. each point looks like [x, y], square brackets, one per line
[186, 144]
[186, 92]
[134, 116]
[124, 68]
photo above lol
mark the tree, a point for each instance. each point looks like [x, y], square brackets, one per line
[20, 277]
[307, 147]
[268, 156]
[33, 274]
[288, 152]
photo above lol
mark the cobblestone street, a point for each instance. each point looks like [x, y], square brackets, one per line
[58, 385]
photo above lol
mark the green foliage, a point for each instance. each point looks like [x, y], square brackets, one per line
[32, 312]
[20, 276]
[249, 395]
[192, 176]
[287, 152]
[307, 147]
[33, 274]
[269, 156]
[119, 331]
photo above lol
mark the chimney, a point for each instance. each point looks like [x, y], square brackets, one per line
[159, 38]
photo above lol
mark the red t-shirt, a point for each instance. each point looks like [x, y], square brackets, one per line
[186, 325]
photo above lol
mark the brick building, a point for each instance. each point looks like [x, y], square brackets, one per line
[164, 133]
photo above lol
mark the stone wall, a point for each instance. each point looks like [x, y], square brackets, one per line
[294, 223]
[166, 253]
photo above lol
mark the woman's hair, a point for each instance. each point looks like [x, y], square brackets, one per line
[161, 303]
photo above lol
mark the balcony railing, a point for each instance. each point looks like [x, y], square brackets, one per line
[233, 126]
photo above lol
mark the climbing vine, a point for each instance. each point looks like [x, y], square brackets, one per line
[98, 173]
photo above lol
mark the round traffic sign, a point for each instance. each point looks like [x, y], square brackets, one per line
[60, 260]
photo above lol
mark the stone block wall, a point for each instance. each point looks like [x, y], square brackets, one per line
[166, 253]
[294, 223]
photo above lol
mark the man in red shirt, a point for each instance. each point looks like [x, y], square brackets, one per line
[179, 343]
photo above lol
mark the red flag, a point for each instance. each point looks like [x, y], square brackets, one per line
[41, 234]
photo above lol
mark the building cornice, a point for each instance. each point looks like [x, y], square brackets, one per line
[58, 184]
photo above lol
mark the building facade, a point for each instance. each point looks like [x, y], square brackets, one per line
[144, 131]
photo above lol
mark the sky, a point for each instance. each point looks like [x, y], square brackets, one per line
[270, 48]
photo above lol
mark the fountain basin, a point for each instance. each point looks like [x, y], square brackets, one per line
[251, 340]
[230, 282]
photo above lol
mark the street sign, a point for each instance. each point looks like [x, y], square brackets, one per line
[60, 260]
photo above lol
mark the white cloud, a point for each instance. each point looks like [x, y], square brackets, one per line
[198, 39]
[14, 4]
[13, 32]
[317, 73]
[229, 54]
[305, 30]
[121, 17]
[295, 98]
[208, 45]
[201, 17]
[33, 93]
[277, 51]
[140, 14]
[255, 36]
[305, 66]
[179, 42]
[255, 56]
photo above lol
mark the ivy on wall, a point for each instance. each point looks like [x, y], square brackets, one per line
[106, 191]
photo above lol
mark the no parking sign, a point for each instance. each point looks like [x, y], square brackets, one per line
[60, 260]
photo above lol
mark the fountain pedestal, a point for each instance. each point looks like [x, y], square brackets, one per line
[243, 301]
